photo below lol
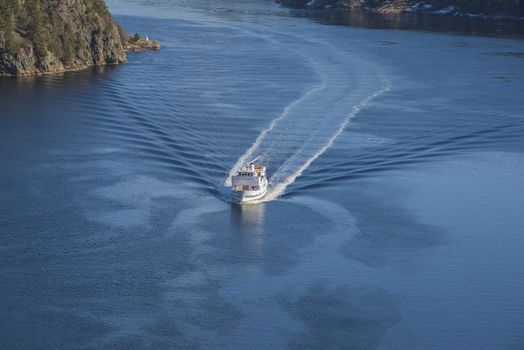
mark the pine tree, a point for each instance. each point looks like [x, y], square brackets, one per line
[37, 28]
[8, 11]
[69, 46]
[11, 44]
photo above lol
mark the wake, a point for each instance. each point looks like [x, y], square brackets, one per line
[280, 187]
[309, 126]
[247, 156]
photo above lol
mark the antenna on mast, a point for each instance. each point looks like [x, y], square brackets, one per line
[254, 160]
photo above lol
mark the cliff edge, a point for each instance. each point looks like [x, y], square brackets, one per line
[50, 36]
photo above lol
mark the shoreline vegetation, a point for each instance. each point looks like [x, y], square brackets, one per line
[482, 9]
[53, 36]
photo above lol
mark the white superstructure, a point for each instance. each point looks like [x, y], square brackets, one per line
[249, 184]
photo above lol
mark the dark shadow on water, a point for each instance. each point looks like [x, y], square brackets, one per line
[344, 317]
[21, 94]
[388, 233]
[74, 77]
[507, 54]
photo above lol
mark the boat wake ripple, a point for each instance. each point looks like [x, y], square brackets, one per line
[255, 146]
[309, 126]
[280, 186]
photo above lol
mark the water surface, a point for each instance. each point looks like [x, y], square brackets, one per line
[394, 220]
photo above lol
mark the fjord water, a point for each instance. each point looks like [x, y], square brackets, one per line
[394, 219]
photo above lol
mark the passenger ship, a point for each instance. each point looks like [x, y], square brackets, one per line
[249, 184]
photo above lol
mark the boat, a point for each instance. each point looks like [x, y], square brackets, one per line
[249, 184]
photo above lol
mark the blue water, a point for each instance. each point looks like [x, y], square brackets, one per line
[394, 218]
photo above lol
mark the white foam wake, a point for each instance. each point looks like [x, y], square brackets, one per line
[262, 136]
[309, 126]
[278, 189]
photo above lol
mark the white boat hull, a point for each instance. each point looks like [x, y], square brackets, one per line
[247, 196]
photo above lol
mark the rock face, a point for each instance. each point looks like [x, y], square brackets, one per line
[49, 36]
[481, 8]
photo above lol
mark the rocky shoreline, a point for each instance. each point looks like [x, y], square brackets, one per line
[54, 36]
[136, 43]
[483, 9]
